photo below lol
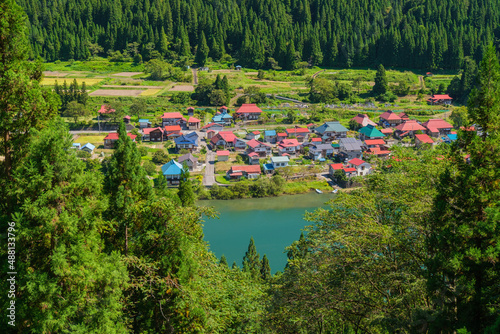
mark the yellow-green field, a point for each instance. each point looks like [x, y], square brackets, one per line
[150, 92]
[60, 81]
[95, 140]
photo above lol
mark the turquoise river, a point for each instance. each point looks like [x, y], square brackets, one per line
[274, 223]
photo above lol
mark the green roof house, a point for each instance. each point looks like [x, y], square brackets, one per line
[331, 130]
[370, 132]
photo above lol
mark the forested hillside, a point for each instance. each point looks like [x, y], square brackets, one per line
[426, 34]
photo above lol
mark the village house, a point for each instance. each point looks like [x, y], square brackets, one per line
[126, 119]
[258, 147]
[171, 132]
[387, 132]
[299, 133]
[281, 136]
[389, 119]
[317, 140]
[210, 134]
[253, 159]
[253, 135]
[173, 118]
[172, 172]
[363, 120]
[408, 128]
[248, 171]
[144, 123]
[371, 143]
[153, 134]
[188, 160]
[270, 136]
[378, 151]
[224, 139]
[423, 139]
[404, 116]
[370, 132]
[193, 123]
[288, 146]
[187, 141]
[320, 151]
[88, 148]
[350, 148]
[440, 99]
[362, 167]
[190, 111]
[348, 171]
[110, 139]
[437, 127]
[330, 131]
[239, 144]
[212, 127]
[280, 162]
[311, 127]
[222, 155]
[248, 111]
[76, 146]
[222, 118]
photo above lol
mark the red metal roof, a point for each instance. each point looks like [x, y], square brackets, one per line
[254, 143]
[374, 142]
[127, 117]
[170, 128]
[146, 131]
[356, 161]
[289, 143]
[193, 120]
[386, 131]
[363, 120]
[441, 97]
[115, 136]
[253, 154]
[337, 166]
[349, 170]
[410, 125]
[249, 169]
[281, 134]
[175, 115]
[315, 140]
[222, 153]
[424, 138]
[434, 124]
[297, 130]
[389, 115]
[256, 132]
[248, 108]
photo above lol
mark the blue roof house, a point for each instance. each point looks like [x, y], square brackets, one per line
[270, 136]
[172, 171]
[88, 148]
[223, 118]
[187, 141]
[144, 123]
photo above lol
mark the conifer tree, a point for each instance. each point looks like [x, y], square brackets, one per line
[223, 261]
[202, 51]
[464, 238]
[381, 83]
[251, 260]
[265, 269]
[185, 191]
[127, 185]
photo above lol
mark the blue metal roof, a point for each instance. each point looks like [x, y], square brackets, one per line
[89, 146]
[452, 137]
[270, 133]
[171, 168]
[143, 120]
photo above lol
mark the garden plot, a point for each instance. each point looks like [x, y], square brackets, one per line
[60, 81]
[182, 88]
[117, 92]
[126, 74]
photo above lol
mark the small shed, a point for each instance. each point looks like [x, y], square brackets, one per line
[222, 155]
[144, 123]
[88, 148]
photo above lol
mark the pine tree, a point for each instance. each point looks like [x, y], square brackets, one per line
[163, 42]
[265, 269]
[381, 84]
[127, 185]
[223, 261]
[185, 191]
[251, 261]
[202, 51]
[464, 238]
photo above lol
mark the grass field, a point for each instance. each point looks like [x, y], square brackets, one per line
[150, 92]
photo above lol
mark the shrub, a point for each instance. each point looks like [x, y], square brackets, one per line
[143, 151]
[149, 167]
[83, 154]
[160, 157]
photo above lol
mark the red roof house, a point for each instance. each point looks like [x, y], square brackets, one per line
[408, 128]
[436, 127]
[193, 123]
[223, 138]
[440, 99]
[390, 118]
[248, 111]
[363, 120]
[222, 155]
[423, 139]
[299, 133]
[249, 171]
[110, 139]
[172, 118]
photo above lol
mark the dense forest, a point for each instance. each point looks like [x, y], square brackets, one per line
[425, 34]
[99, 248]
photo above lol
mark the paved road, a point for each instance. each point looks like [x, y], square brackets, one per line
[209, 178]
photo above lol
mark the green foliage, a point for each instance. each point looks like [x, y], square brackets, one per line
[251, 261]
[75, 110]
[160, 157]
[185, 191]
[463, 236]
[381, 83]
[149, 167]
[71, 93]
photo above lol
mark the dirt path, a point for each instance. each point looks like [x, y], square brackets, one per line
[317, 73]
[422, 82]
[195, 76]
[233, 100]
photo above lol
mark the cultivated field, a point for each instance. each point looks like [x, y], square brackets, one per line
[60, 81]
[117, 92]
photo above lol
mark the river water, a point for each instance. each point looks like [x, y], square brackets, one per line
[274, 223]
